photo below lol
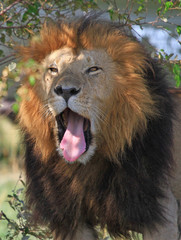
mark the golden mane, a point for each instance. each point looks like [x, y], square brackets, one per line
[132, 97]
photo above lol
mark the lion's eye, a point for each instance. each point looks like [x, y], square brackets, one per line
[53, 70]
[93, 70]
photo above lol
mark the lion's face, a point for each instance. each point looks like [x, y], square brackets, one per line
[79, 90]
[91, 96]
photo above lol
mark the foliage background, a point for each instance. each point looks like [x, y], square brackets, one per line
[22, 19]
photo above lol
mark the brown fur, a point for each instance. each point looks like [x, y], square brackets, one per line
[39, 128]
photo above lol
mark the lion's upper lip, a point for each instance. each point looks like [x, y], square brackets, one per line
[62, 122]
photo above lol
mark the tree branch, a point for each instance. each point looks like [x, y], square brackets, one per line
[9, 60]
[5, 58]
[5, 217]
[11, 27]
[9, 7]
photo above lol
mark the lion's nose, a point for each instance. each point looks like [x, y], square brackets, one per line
[66, 92]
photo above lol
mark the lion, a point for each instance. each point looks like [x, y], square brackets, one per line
[98, 131]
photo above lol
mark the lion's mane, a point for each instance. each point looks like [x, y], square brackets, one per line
[120, 186]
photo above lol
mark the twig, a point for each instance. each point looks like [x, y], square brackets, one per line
[12, 59]
[9, 221]
[175, 8]
[5, 58]
[11, 27]
[3, 45]
[9, 7]
[129, 12]
[4, 215]
[10, 17]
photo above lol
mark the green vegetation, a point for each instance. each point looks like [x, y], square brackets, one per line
[15, 217]
[5, 188]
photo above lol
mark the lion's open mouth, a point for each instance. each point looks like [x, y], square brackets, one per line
[74, 134]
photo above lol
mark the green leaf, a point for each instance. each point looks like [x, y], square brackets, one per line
[32, 80]
[176, 69]
[1, 52]
[25, 17]
[15, 108]
[158, 10]
[178, 80]
[178, 30]
[140, 8]
[3, 38]
[9, 23]
[24, 184]
[33, 9]
[170, 55]
[9, 196]
[111, 13]
[30, 63]
[168, 4]
[167, 28]
[177, 74]
[139, 19]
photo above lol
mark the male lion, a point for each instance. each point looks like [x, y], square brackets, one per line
[98, 133]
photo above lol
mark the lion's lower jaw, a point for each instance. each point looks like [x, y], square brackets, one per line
[85, 157]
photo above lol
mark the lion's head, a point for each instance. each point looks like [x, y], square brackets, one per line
[90, 95]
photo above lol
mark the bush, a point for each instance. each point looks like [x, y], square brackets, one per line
[22, 227]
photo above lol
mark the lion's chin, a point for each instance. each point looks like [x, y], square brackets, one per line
[74, 135]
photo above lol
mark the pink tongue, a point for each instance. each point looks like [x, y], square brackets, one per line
[73, 142]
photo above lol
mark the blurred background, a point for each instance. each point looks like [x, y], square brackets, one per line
[156, 23]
